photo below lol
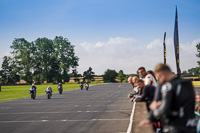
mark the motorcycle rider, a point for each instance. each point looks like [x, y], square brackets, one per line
[34, 88]
[81, 85]
[86, 85]
[49, 89]
[60, 86]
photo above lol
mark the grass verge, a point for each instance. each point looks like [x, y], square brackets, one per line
[22, 91]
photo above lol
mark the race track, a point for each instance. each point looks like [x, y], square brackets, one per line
[102, 109]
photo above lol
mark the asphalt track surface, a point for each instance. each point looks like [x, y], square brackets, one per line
[103, 109]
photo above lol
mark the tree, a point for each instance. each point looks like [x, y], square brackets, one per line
[184, 72]
[121, 76]
[89, 75]
[6, 70]
[23, 53]
[1, 76]
[44, 59]
[194, 71]
[198, 50]
[8, 75]
[65, 54]
[109, 75]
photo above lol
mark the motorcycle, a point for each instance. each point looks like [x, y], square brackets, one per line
[32, 92]
[86, 87]
[60, 89]
[81, 86]
[48, 94]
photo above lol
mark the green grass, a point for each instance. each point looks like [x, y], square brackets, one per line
[22, 91]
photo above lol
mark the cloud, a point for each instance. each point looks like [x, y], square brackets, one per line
[121, 53]
[155, 43]
[190, 47]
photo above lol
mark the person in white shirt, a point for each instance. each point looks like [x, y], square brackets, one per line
[150, 79]
[147, 77]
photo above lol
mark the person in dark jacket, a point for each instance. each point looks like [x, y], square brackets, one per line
[176, 109]
[147, 95]
[35, 89]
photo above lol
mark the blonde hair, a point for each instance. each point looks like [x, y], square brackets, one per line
[162, 67]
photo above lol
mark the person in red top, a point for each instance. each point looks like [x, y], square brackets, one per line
[150, 79]
[147, 77]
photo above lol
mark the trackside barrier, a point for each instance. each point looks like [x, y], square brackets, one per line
[140, 114]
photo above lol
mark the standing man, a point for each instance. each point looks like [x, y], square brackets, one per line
[142, 73]
[148, 78]
[176, 109]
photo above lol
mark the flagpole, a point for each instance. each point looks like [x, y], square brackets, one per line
[164, 46]
[176, 45]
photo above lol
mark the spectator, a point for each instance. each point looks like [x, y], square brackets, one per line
[135, 88]
[176, 109]
[147, 77]
[134, 82]
[147, 95]
[130, 80]
[142, 73]
[140, 85]
[150, 79]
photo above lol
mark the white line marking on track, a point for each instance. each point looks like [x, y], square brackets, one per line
[63, 106]
[44, 120]
[131, 119]
[88, 111]
[36, 121]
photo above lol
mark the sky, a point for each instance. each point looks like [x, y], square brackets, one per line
[107, 34]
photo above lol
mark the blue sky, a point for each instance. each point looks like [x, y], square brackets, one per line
[101, 30]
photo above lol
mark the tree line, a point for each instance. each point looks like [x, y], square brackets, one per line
[40, 60]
